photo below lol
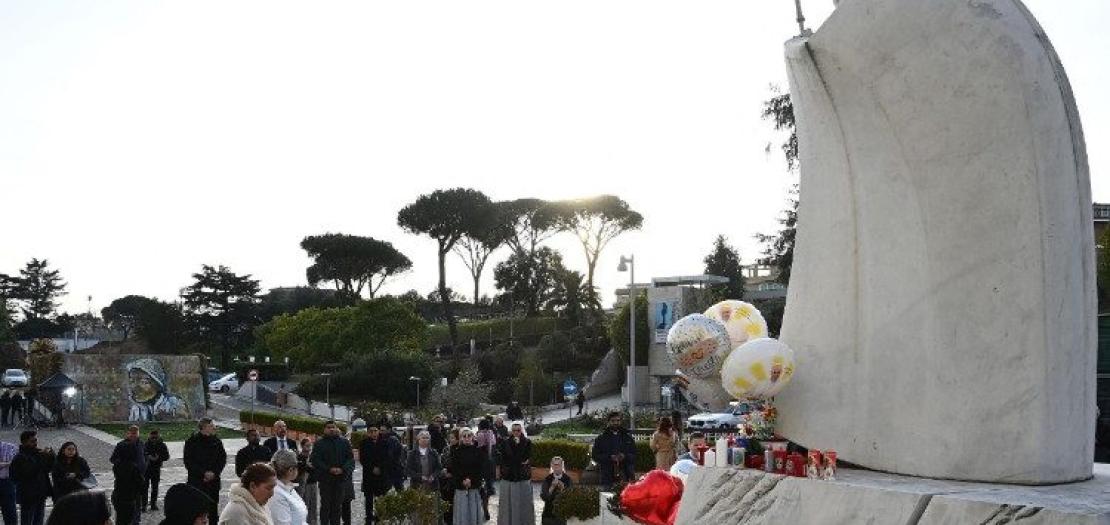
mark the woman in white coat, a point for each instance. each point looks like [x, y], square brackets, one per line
[286, 507]
[246, 500]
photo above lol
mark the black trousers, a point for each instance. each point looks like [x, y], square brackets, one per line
[126, 507]
[332, 497]
[153, 477]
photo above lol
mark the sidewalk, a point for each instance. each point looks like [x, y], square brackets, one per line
[606, 402]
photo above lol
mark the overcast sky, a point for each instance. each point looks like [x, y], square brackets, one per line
[141, 139]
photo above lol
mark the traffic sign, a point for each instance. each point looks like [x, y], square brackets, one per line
[252, 375]
[570, 388]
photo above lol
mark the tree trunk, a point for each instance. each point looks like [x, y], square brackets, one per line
[446, 300]
[477, 277]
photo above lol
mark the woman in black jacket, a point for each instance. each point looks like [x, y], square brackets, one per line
[70, 469]
[465, 468]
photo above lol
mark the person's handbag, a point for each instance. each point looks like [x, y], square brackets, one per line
[90, 482]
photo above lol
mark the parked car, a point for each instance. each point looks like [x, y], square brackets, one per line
[725, 420]
[15, 377]
[225, 384]
[214, 374]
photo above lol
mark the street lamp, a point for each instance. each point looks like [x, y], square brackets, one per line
[327, 393]
[628, 264]
[417, 379]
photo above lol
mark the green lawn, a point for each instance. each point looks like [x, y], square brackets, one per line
[170, 431]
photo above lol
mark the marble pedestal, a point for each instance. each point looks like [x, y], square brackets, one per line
[742, 496]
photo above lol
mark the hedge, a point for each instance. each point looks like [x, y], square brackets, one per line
[497, 329]
[645, 458]
[266, 371]
[308, 425]
[577, 502]
[576, 456]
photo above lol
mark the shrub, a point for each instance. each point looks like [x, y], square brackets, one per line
[388, 387]
[645, 458]
[304, 424]
[357, 438]
[577, 502]
[575, 455]
[462, 397]
[414, 506]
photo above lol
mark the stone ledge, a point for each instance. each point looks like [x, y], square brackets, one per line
[728, 495]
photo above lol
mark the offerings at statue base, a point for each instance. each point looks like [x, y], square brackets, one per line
[654, 499]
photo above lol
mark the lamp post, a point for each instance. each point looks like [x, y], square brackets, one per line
[417, 380]
[628, 264]
[327, 393]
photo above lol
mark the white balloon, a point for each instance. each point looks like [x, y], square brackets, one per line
[707, 394]
[698, 346]
[758, 369]
[683, 468]
[743, 321]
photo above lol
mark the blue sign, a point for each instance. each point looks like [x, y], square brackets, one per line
[570, 388]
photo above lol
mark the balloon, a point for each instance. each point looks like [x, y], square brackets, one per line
[652, 500]
[682, 468]
[758, 369]
[707, 394]
[698, 346]
[742, 320]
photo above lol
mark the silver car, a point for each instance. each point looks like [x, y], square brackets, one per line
[15, 377]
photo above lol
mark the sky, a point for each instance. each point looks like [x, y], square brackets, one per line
[142, 139]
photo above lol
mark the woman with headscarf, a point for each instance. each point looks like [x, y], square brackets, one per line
[70, 469]
[466, 475]
[149, 395]
[423, 464]
[514, 456]
[486, 439]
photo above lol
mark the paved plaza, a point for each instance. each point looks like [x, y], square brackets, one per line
[96, 448]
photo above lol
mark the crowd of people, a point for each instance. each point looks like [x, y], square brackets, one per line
[282, 481]
[15, 407]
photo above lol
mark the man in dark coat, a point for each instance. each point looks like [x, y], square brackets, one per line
[614, 451]
[439, 435]
[205, 458]
[156, 454]
[5, 407]
[280, 439]
[127, 490]
[375, 456]
[514, 412]
[131, 452]
[253, 453]
[333, 463]
[31, 471]
[17, 408]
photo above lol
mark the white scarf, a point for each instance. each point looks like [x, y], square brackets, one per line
[241, 496]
